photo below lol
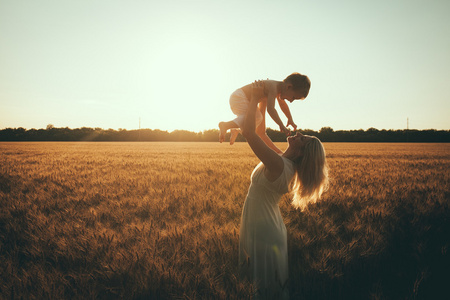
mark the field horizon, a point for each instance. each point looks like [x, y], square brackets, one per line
[325, 134]
[161, 220]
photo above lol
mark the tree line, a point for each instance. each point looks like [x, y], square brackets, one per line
[325, 134]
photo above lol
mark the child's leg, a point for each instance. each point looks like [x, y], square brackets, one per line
[238, 104]
[234, 133]
[224, 127]
[235, 125]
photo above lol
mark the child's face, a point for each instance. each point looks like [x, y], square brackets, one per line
[290, 94]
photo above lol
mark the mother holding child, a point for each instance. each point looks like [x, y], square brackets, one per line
[302, 170]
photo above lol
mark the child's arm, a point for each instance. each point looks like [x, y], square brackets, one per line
[261, 130]
[273, 112]
[287, 112]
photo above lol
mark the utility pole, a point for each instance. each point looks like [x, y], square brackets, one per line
[407, 129]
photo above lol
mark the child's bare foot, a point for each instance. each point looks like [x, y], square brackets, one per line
[222, 132]
[233, 136]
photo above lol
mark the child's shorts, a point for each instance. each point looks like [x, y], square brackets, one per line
[239, 106]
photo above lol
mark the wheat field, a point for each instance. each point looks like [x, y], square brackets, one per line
[161, 221]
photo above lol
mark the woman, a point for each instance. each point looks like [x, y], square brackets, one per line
[263, 240]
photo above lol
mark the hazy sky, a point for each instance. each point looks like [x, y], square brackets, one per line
[174, 64]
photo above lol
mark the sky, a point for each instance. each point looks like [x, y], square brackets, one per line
[173, 64]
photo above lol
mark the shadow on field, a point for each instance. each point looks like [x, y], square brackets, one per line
[398, 252]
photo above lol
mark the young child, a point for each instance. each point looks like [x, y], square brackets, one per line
[295, 87]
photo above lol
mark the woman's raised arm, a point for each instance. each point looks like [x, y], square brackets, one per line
[271, 160]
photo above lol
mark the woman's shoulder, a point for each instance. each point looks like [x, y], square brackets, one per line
[281, 183]
[289, 165]
[287, 171]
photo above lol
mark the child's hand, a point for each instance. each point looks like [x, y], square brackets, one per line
[291, 122]
[285, 130]
[257, 90]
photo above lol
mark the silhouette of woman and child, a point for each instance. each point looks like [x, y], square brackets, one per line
[301, 170]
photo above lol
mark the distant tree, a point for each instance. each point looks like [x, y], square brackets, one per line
[372, 135]
[326, 134]
[211, 135]
[50, 126]
[326, 130]
[276, 135]
[183, 136]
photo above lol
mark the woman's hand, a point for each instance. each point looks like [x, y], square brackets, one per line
[285, 130]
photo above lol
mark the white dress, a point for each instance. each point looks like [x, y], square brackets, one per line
[263, 257]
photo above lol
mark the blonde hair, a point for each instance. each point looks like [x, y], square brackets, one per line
[311, 176]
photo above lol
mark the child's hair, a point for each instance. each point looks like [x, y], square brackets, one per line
[311, 178]
[299, 82]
